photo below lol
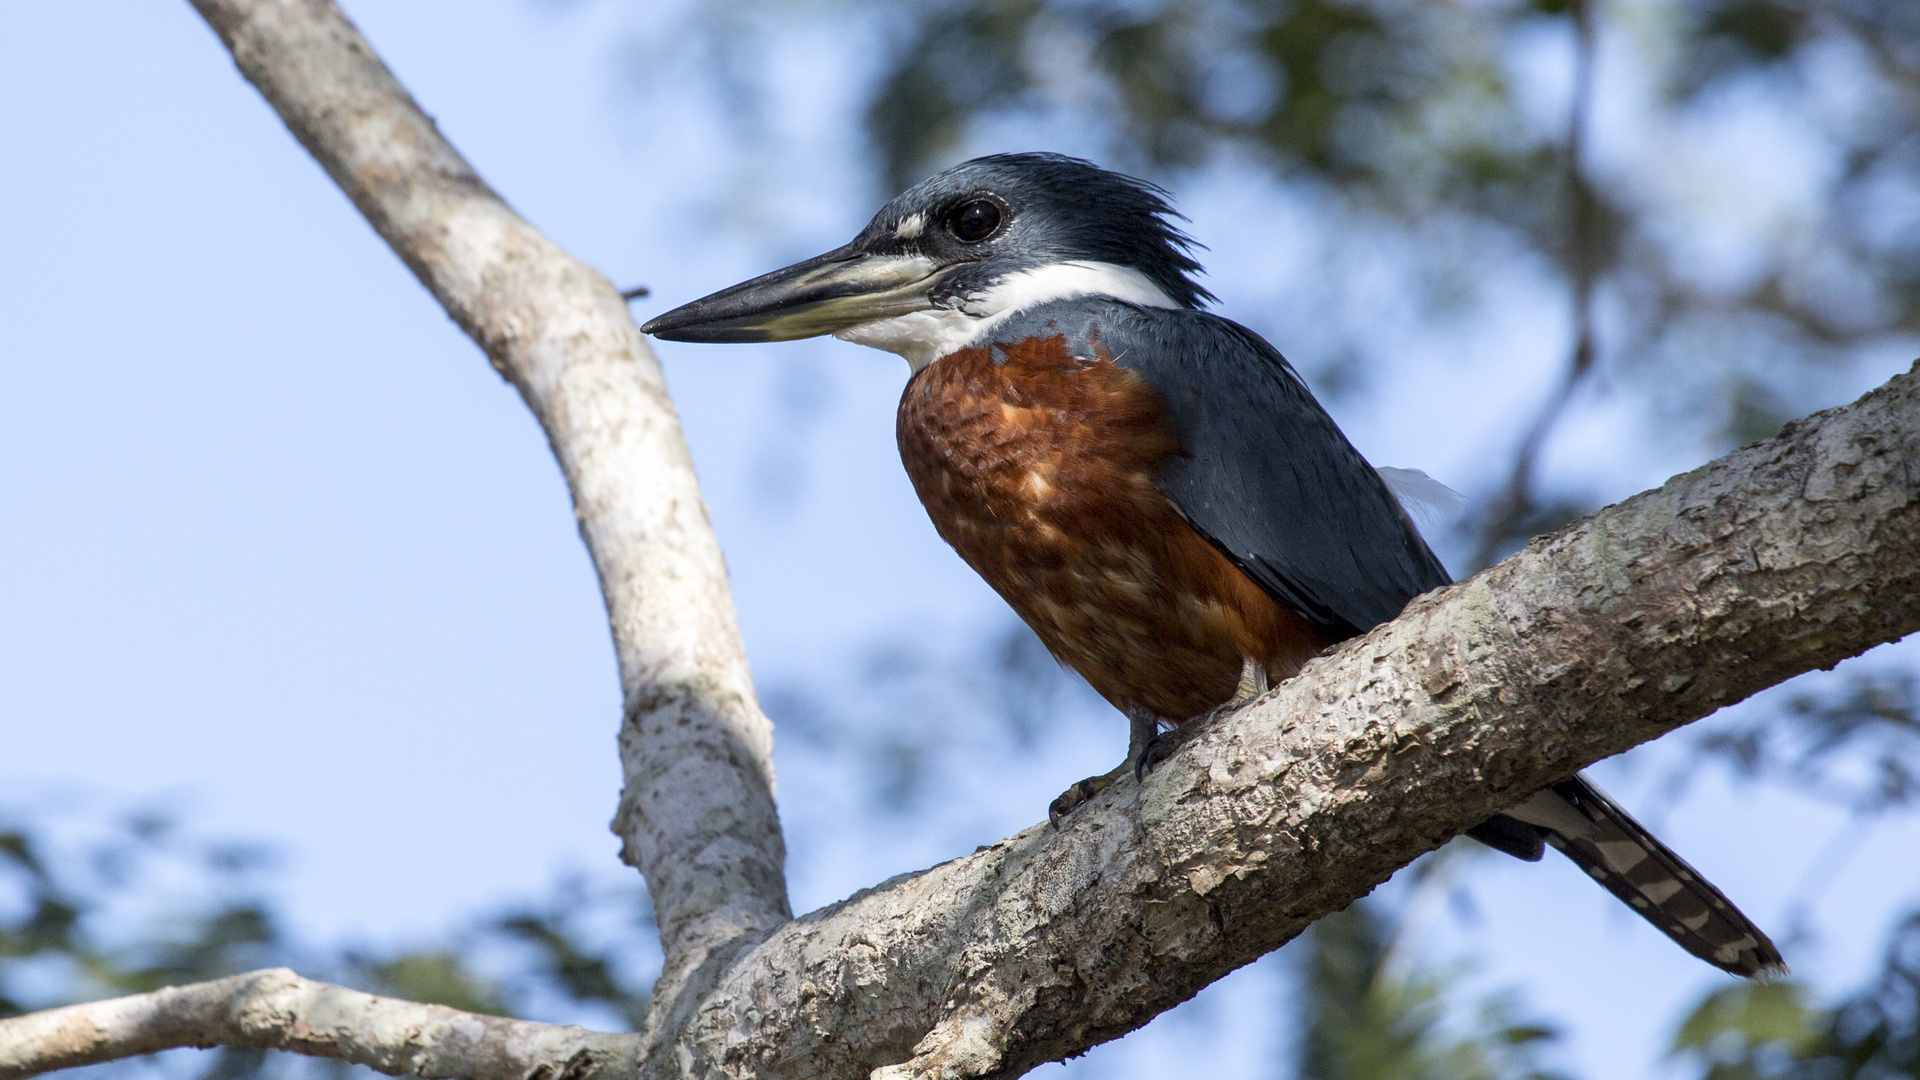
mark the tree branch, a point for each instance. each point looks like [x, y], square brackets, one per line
[697, 814]
[1789, 555]
[278, 1010]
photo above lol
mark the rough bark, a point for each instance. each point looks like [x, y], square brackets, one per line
[1786, 556]
[278, 1010]
[1790, 555]
[697, 814]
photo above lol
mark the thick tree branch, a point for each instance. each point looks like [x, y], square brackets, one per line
[697, 814]
[1789, 555]
[278, 1010]
[1786, 556]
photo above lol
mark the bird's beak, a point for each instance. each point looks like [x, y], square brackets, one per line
[823, 295]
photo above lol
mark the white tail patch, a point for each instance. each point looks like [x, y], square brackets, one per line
[1661, 891]
[1549, 811]
[1621, 855]
[1428, 501]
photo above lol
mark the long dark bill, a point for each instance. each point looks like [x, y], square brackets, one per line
[820, 296]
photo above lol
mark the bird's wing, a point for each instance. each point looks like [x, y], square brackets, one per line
[1267, 476]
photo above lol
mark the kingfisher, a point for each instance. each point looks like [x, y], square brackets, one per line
[1150, 486]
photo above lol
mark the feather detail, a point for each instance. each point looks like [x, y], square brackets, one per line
[1428, 501]
[1580, 822]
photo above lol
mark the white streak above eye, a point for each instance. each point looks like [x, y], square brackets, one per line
[925, 336]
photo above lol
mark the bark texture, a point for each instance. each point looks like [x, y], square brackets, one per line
[278, 1010]
[1789, 555]
[697, 814]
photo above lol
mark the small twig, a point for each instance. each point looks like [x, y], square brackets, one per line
[1825, 866]
[1515, 500]
[278, 1010]
[638, 292]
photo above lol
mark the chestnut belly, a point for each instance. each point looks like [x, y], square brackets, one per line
[1039, 469]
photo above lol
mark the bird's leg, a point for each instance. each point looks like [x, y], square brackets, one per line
[1144, 727]
[1253, 683]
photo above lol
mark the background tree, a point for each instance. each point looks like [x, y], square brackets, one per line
[905, 747]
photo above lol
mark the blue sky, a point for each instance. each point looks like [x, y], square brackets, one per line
[283, 551]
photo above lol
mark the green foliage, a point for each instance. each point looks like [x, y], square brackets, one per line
[437, 977]
[1737, 35]
[64, 910]
[963, 63]
[1365, 1020]
[1416, 114]
[585, 965]
[91, 909]
[1773, 1032]
[1855, 744]
[56, 907]
[1748, 1032]
[1402, 99]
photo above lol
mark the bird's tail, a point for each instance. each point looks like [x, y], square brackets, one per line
[1579, 820]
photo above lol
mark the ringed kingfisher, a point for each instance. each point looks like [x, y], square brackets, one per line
[1151, 487]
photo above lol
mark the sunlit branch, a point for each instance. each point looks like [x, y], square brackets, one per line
[278, 1010]
[1786, 556]
[697, 814]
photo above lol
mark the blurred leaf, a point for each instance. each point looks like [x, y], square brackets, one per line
[1752, 1016]
[1771, 1032]
[1366, 93]
[962, 63]
[1856, 743]
[439, 978]
[1734, 36]
[1366, 1021]
[136, 907]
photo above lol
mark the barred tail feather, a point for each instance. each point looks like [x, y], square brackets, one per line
[1602, 839]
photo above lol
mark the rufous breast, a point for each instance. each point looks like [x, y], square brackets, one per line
[1037, 465]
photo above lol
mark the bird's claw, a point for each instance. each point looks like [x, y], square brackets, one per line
[1076, 796]
[1162, 744]
[1153, 752]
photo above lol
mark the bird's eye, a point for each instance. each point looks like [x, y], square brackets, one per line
[976, 221]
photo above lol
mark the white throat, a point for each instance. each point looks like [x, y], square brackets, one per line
[925, 336]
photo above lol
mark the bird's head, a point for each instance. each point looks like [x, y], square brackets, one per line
[957, 253]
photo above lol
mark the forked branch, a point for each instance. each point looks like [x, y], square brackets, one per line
[1788, 555]
[697, 814]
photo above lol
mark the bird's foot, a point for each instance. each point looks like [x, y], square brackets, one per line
[1162, 745]
[1146, 728]
[1253, 683]
[1079, 794]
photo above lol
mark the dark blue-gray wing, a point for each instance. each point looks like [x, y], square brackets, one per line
[1267, 476]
